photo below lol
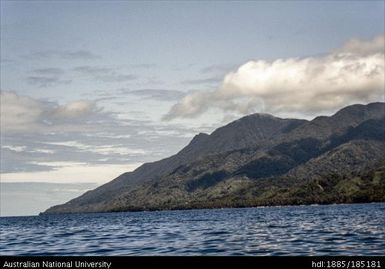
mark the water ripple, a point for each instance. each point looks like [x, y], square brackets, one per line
[295, 230]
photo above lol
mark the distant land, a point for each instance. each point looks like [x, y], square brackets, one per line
[258, 160]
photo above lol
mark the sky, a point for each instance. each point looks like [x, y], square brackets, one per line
[92, 89]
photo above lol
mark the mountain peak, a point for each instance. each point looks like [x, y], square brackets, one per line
[237, 162]
[322, 127]
[199, 138]
[257, 116]
[360, 111]
[200, 135]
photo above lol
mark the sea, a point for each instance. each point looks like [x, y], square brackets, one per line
[350, 229]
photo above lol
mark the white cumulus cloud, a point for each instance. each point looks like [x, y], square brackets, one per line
[75, 109]
[296, 86]
[23, 113]
[364, 47]
[18, 112]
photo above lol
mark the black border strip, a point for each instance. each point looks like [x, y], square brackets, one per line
[112, 262]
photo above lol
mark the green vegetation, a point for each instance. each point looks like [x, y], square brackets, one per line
[259, 160]
[369, 187]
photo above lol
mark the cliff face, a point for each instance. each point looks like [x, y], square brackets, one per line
[258, 160]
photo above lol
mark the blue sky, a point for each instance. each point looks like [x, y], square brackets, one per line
[91, 89]
[174, 40]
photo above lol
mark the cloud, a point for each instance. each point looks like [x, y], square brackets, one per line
[364, 47]
[105, 74]
[23, 113]
[92, 70]
[76, 109]
[14, 148]
[19, 112]
[190, 106]
[49, 70]
[35, 133]
[209, 80]
[52, 76]
[292, 86]
[71, 172]
[103, 149]
[47, 77]
[217, 68]
[46, 81]
[63, 54]
[15, 159]
[156, 94]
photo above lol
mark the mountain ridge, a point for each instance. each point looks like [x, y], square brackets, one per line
[245, 155]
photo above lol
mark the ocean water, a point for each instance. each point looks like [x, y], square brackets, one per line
[357, 229]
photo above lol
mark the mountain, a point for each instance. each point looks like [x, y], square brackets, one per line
[258, 160]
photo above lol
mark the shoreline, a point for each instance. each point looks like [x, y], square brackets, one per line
[191, 209]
